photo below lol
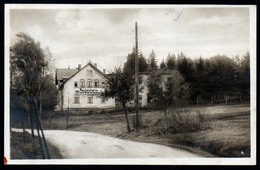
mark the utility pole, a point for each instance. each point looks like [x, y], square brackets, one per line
[136, 78]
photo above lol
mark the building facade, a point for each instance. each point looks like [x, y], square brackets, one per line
[143, 86]
[82, 88]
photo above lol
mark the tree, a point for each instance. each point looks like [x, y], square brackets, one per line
[242, 75]
[129, 65]
[185, 67]
[143, 66]
[168, 88]
[200, 77]
[49, 93]
[120, 86]
[245, 67]
[28, 62]
[28, 58]
[68, 101]
[162, 65]
[221, 76]
[152, 61]
[171, 62]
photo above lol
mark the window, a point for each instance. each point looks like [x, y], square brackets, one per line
[96, 83]
[82, 83]
[90, 99]
[140, 100]
[89, 83]
[76, 98]
[89, 71]
[76, 84]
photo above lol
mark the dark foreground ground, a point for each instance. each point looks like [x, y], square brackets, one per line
[23, 146]
[228, 135]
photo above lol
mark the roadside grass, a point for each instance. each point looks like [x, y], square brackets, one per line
[223, 135]
[227, 138]
[218, 130]
[184, 121]
[23, 146]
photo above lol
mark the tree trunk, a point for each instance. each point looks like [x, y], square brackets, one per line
[23, 126]
[40, 104]
[40, 141]
[31, 116]
[240, 98]
[44, 140]
[127, 121]
[67, 120]
[40, 125]
[197, 101]
[212, 100]
[226, 99]
[38, 131]
[49, 120]
[164, 108]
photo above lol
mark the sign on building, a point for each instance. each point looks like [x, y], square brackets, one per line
[91, 91]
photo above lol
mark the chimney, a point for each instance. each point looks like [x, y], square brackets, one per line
[95, 64]
[104, 71]
[79, 66]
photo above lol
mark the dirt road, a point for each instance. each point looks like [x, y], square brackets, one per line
[74, 144]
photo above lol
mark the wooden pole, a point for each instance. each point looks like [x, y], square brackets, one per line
[136, 77]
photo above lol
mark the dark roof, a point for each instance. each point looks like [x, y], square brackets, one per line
[68, 74]
[64, 74]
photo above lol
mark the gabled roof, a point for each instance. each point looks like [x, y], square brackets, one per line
[71, 74]
[64, 73]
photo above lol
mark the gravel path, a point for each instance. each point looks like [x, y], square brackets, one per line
[74, 144]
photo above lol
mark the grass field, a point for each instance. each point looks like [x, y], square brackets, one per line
[228, 135]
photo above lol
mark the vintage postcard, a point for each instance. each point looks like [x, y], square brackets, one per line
[130, 84]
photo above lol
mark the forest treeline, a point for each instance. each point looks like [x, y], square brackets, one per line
[216, 79]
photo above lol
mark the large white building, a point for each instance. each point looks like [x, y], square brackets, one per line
[82, 88]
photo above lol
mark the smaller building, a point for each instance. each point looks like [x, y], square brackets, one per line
[82, 88]
[143, 89]
[143, 86]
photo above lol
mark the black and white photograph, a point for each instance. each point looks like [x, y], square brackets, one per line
[130, 84]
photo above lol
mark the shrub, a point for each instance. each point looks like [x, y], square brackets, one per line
[153, 105]
[184, 121]
[141, 122]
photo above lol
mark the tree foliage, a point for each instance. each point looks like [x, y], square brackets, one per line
[152, 62]
[186, 67]
[120, 86]
[28, 62]
[29, 65]
[162, 65]
[129, 65]
[168, 88]
[171, 62]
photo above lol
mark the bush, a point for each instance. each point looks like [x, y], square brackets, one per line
[141, 122]
[153, 105]
[184, 121]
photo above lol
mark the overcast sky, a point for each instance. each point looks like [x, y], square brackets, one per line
[106, 35]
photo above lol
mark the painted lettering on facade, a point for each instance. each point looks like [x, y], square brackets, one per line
[92, 91]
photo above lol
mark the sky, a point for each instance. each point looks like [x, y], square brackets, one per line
[106, 34]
